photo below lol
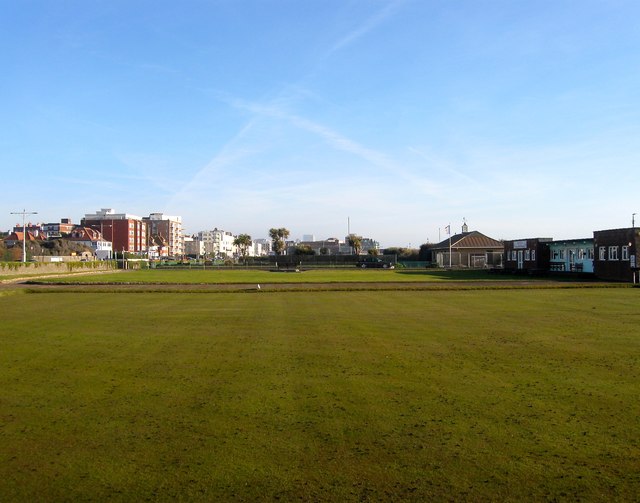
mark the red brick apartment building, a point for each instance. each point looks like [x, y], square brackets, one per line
[127, 233]
[168, 231]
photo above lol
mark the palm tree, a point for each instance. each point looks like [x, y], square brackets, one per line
[356, 243]
[278, 237]
[243, 242]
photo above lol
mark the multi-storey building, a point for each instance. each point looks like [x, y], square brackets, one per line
[193, 246]
[169, 230]
[261, 247]
[369, 244]
[58, 229]
[127, 233]
[217, 243]
[333, 246]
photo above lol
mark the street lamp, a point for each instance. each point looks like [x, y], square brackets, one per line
[104, 239]
[24, 213]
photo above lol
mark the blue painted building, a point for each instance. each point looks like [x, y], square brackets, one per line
[571, 255]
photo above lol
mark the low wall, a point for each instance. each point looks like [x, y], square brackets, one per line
[62, 258]
[32, 268]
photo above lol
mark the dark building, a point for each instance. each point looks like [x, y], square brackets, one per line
[616, 254]
[527, 255]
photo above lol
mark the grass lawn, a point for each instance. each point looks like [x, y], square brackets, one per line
[342, 396]
[243, 276]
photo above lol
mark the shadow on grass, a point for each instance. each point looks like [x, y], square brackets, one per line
[485, 275]
[455, 275]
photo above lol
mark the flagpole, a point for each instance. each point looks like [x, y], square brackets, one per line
[449, 245]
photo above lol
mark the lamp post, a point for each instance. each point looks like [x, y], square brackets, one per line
[633, 220]
[449, 232]
[24, 213]
[104, 239]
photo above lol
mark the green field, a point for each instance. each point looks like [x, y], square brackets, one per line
[244, 276]
[340, 396]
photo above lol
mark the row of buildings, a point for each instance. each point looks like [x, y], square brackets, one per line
[109, 234]
[609, 255]
[218, 243]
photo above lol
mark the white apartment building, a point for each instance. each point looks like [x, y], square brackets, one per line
[260, 247]
[217, 243]
[103, 250]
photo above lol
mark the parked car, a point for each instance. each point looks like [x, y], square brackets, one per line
[373, 263]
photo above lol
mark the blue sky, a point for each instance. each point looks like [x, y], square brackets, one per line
[402, 116]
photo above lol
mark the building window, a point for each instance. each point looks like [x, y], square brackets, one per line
[533, 255]
[581, 254]
[625, 253]
[562, 254]
[602, 253]
[555, 255]
[590, 253]
[527, 254]
[613, 253]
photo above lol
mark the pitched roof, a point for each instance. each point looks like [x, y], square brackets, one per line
[473, 239]
[85, 234]
[19, 236]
